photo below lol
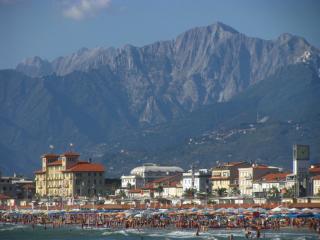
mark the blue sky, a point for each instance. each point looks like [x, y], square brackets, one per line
[53, 28]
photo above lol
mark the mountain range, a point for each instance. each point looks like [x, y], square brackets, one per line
[211, 94]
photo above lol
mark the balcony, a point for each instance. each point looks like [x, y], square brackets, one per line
[219, 177]
[248, 177]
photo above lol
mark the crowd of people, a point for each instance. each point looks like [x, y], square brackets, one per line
[253, 225]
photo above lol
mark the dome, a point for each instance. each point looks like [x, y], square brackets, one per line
[150, 167]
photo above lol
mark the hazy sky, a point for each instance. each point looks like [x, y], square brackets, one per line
[52, 28]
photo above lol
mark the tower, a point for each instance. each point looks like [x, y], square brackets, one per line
[301, 156]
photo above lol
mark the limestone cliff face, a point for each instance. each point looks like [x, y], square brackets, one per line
[201, 66]
[94, 94]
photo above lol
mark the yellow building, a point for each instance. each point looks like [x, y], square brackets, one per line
[226, 175]
[67, 176]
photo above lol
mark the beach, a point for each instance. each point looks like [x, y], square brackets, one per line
[18, 232]
[251, 223]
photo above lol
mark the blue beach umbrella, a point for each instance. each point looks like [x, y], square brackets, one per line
[305, 215]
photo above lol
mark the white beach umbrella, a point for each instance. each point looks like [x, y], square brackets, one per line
[276, 209]
[293, 210]
[305, 210]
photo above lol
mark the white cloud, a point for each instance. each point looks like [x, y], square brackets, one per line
[80, 9]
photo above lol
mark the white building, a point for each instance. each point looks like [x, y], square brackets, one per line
[131, 181]
[316, 185]
[199, 180]
[261, 186]
[148, 172]
[249, 174]
[173, 190]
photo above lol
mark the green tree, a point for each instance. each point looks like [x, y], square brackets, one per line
[288, 192]
[122, 194]
[235, 191]
[273, 194]
[159, 190]
[190, 192]
[220, 192]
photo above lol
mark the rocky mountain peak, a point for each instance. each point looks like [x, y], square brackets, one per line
[35, 66]
[221, 27]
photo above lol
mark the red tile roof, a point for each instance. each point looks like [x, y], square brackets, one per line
[138, 190]
[274, 177]
[235, 163]
[86, 167]
[4, 197]
[167, 179]
[39, 172]
[55, 163]
[174, 184]
[314, 170]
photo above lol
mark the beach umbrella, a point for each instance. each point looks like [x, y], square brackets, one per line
[262, 210]
[221, 210]
[275, 216]
[292, 215]
[306, 210]
[230, 210]
[317, 215]
[305, 215]
[250, 209]
[316, 210]
[276, 209]
[293, 210]
[239, 210]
